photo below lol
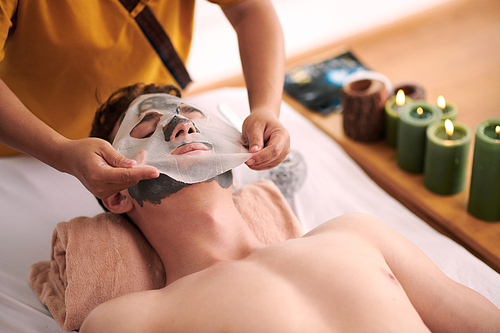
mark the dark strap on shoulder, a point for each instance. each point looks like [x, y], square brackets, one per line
[14, 22]
[159, 39]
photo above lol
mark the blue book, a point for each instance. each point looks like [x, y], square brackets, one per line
[318, 86]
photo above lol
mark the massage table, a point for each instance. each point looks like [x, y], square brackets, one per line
[35, 197]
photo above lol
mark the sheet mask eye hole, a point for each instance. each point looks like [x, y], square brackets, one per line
[146, 126]
[190, 112]
[149, 135]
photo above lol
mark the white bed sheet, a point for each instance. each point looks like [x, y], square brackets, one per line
[35, 197]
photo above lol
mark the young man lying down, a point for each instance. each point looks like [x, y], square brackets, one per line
[350, 274]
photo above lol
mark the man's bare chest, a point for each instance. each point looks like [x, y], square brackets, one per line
[288, 287]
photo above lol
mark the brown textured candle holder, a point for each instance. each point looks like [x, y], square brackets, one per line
[363, 105]
[411, 89]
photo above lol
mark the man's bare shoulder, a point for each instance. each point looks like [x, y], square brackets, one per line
[128, 313]
[353, 223]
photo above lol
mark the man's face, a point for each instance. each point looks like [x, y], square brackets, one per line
[181, 141]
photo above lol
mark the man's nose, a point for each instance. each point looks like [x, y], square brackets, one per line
[179, 127]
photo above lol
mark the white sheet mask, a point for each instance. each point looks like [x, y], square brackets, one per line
[182, 142]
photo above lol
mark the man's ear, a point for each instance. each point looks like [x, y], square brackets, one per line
[119, 203]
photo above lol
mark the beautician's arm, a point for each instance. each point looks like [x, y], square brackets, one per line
[100, 168]
[262, 56]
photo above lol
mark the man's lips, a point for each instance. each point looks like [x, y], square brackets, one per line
[192, 148]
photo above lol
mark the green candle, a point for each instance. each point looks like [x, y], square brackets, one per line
[450, 111]
[392, 108]
[446, 155]
[484, 198]
[413, 121]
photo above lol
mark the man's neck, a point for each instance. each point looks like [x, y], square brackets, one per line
[196, 230]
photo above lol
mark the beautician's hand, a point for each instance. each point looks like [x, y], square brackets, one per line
[268, 139]
[101, 169]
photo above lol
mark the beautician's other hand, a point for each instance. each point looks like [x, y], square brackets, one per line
[100, 168]
[267, 138]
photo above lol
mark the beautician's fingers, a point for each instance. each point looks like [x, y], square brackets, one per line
[101, 169]
[118, 179]
[253, 129]
[268, 139]
[272, 155]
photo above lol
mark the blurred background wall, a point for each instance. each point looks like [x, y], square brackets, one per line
[306, 24]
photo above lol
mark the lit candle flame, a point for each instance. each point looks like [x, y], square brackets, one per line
[420, 111]
[400, 98]
[449, 128]
[497, 129]
[441, 102]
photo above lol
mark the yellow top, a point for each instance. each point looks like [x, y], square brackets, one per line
[64, 53]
